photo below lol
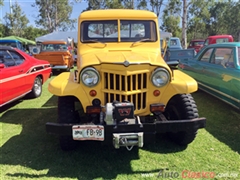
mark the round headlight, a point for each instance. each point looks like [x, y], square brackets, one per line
[90, 77]
[160, 77]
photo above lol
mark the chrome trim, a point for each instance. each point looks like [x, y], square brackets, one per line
[221, 93]
[130, 63]
[157, 70]
[59, 67]
[91, 69]
[16, 98]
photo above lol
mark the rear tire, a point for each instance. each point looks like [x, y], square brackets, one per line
[67, 114]
[182, 106]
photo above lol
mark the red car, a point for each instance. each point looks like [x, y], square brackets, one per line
[20, 75]
[197, 44]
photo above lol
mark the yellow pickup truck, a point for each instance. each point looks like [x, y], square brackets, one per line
[57, 54]
[123, 92]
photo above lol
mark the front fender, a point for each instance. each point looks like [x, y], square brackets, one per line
[180, 84]
[64, 85]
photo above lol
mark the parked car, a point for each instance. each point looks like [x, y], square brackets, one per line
[123, 93]
[174, 43]
[20, 75]
[57, 53]
[217, 71]
[197, 44]
[218, 39]
[12, 43]
[183, 54]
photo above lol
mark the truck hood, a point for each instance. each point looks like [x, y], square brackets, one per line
[116, 57]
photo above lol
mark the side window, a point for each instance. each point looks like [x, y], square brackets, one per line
[206, 56]
[224, 57]
[206, 42]
[17, 57]
[221, 40]
[11, 58]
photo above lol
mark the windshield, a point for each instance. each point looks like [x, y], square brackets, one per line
[12, 44]
[198, 43]
[54, 47]
[107, 31]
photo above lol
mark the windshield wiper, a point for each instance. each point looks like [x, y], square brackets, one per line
[143, 40]
[94, 41]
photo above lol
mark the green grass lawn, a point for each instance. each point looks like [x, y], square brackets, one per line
[28, 152]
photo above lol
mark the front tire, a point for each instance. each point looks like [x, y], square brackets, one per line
[67, 114]
[182, 106]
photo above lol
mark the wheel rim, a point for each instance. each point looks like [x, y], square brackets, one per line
[37, 86]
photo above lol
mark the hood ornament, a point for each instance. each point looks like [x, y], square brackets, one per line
[126, 63]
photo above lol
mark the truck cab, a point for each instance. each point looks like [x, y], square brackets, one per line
[218, 39]
[57, 53]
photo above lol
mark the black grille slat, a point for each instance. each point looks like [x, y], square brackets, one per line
[116, 84]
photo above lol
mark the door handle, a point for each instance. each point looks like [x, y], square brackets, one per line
[20, 71]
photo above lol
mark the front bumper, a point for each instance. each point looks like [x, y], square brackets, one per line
[149, 130]
[59, 66]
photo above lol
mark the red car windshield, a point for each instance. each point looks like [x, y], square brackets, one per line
[198, 43]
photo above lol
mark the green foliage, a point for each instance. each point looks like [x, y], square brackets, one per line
[3, 30]
[54, 15]
[31, 32]
[16, 21]
[156, 6]
[116, 4]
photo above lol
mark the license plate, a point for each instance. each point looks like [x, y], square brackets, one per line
[88, 132]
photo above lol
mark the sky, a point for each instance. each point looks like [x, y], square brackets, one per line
[31, 12]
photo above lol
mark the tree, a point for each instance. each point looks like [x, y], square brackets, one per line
[231, 18]
[32, 32]
[54, 15]
[116, 4]
[3, 30]
[156, 6]
[171, 24]
[198, 18]
[16, 21]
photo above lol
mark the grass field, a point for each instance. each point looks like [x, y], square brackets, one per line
[28, 152]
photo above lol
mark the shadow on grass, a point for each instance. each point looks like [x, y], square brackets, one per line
[36, 149]
[223, 121]
[9, 106]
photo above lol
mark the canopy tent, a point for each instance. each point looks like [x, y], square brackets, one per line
[57, 36]
[165, 35]
[22, 40]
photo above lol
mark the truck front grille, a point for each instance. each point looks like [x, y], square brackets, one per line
[121, 87]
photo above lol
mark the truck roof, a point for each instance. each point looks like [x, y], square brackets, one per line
[54, 42]
[118, 14]
[9, 40]
[220, 36]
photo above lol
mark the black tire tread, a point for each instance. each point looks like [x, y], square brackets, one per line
[187, 109]
[66, 114]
